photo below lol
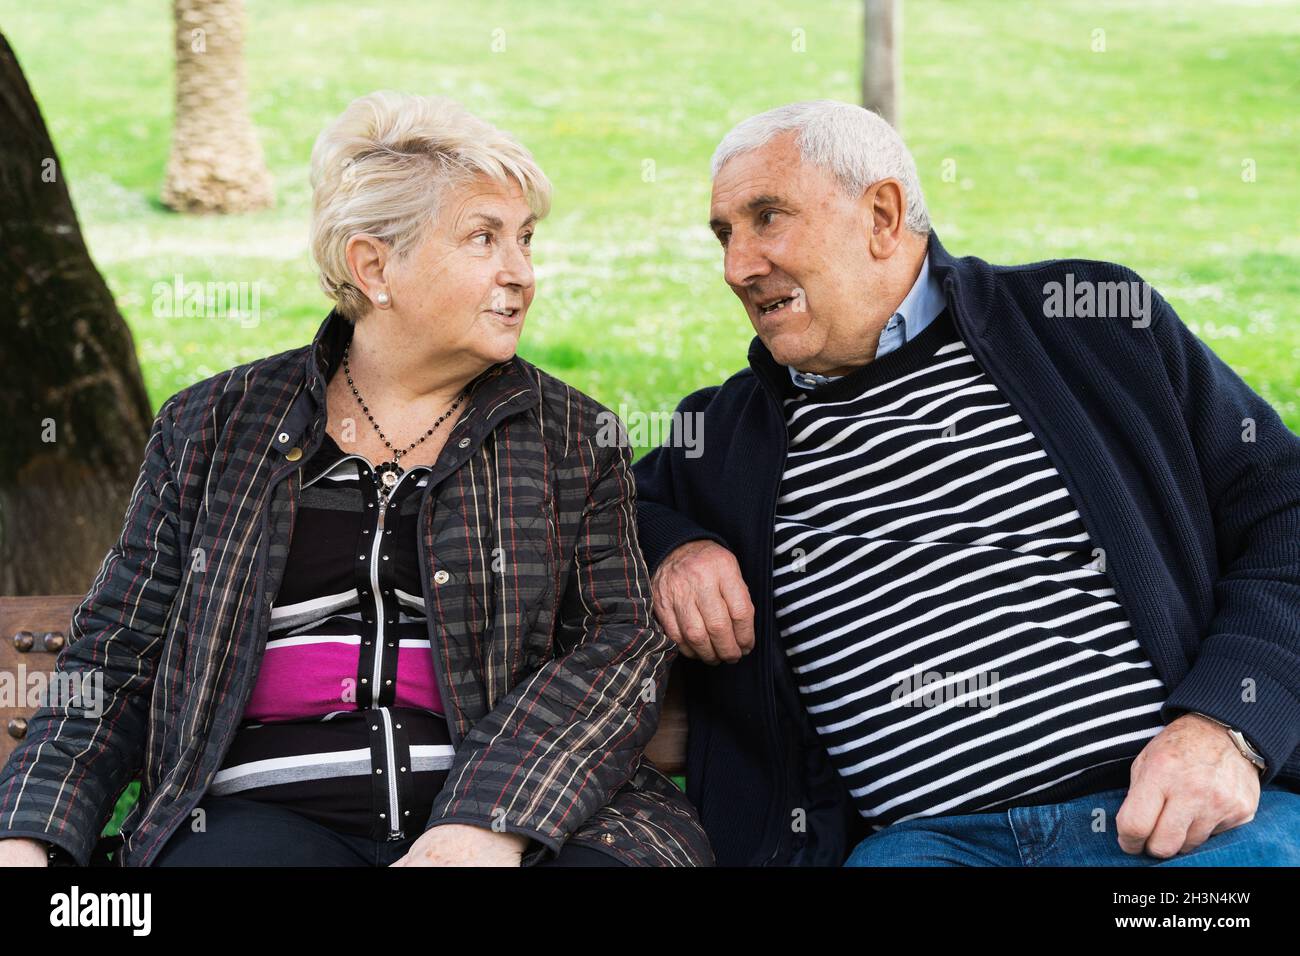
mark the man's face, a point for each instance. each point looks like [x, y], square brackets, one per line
[796, 255]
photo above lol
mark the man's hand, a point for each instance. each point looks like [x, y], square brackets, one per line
[1189, 782]
[458, 844]
[703, 604]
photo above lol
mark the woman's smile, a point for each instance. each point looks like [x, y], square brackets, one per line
[510, 318]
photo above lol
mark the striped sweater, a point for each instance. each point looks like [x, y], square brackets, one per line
[954, 638]
[1185, 477]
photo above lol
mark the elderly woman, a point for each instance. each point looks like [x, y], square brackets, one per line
[378, 600]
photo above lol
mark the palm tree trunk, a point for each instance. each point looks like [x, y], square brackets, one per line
[216, 163]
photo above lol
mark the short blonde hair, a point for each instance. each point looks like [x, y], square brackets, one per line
[382, 167]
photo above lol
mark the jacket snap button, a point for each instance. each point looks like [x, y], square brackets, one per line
[441, 577]
[464, 443]
[284, 437]
[294, 453]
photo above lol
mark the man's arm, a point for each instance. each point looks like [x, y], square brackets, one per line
[61, 783]
[1191, 781]
[700, 596]
[559, 746]
[1247, 671]
[663, 507]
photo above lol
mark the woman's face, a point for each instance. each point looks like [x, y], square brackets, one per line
[465, 288]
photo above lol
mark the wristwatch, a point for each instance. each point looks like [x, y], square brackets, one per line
[1238, 738]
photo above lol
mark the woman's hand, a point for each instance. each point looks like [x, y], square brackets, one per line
[22, 851]
[458, 844]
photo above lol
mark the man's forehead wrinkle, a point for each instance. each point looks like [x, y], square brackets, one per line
[750, 191]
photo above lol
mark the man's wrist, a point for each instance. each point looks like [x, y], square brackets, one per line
[1243, 745]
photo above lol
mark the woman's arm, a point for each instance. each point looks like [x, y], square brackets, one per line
[560, 745]
[24, 851]
[61, 783]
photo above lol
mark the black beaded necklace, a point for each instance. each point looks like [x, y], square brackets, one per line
[390, 472]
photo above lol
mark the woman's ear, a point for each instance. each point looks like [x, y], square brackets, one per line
[367, 256]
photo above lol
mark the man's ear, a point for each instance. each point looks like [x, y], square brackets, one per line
[887, 204]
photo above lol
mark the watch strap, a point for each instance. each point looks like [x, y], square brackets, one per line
[1239, 739]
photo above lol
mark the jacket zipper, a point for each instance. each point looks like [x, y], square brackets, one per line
[395, 829]
[395, 823]
[376, 672]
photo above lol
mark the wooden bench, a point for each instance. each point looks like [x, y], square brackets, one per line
[34, 629]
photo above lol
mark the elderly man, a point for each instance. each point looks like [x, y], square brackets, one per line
[979, 564]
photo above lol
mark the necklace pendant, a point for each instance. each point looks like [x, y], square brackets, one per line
[389, 473]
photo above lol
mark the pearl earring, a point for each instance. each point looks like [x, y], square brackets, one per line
[382, 298]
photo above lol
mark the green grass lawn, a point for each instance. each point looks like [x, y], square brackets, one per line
[1133, 154]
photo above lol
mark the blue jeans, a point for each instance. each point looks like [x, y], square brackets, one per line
[1075, 833]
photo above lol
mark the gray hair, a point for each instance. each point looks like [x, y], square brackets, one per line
[854, 144]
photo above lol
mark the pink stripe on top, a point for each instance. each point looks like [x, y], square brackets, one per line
[313, 679]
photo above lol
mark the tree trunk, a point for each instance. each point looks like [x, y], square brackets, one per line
[74, 407]
[882, 60]
[216, 162]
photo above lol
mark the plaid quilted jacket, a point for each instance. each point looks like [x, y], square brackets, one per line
[549, 661]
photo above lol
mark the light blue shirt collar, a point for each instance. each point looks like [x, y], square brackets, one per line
[921, 306]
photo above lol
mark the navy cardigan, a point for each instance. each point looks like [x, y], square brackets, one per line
[1185, 477]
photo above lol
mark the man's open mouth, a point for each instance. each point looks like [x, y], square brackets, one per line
[775, 306]
[507, 313]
